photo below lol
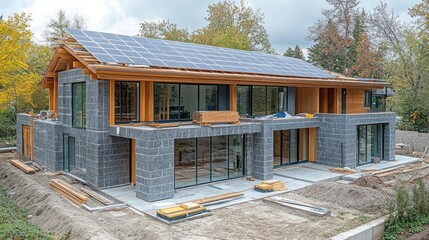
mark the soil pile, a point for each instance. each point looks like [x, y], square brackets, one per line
[370, 181]
[366, 199]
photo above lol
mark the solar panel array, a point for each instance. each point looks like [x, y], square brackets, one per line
[114, 48]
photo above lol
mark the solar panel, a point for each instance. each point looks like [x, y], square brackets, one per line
[115, 48]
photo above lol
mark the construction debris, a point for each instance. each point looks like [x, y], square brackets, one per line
[310, 209]
[250, 178]
[115, 207]
[97, 197]
[24, 167]
[180, 211]
[205, 118]
[343, 170]
[69, 192]
[270, 186]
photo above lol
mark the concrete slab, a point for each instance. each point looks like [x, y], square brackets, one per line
[399, 161]
[304, 173]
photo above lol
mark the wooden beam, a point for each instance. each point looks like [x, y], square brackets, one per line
[77, 64]
[112, 102]
[312, 144]
[55, 102]
[142, 99]
[233, 97]
[149, 101]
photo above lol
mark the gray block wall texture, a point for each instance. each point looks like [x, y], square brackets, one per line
[417, 140]
[337, 136]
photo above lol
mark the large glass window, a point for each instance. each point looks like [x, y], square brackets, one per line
[79, 105]
[261, 100]
[180, 101]
[368, 99]
[126, 101]
[369, 143]
[378, 103]
[203, 160]
[282, 147]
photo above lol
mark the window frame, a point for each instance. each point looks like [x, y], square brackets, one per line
[280, 89]
[367, 99]
[120, 102]
[83, 125]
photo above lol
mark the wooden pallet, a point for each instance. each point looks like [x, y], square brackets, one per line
[24, 167]
[205, 118]
[69, 192]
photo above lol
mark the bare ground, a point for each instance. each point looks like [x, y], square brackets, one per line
[351, 206]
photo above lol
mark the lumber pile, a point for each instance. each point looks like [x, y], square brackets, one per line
[69, 192]
[205, 118]
[180, 211]
[270, 186]
[97, 196]
[24, 167]
[162, 125]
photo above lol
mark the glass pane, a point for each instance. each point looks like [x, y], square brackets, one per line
[258, 100]
[219, 158]
[370, 142]
[236, 156]
[361, 144]
[379, 142]
[184, 162]
[285, 146]
[277, 148]
[303, 144]
[208, 98]
[166, 101]
[126, 101]
[272, 100]
[188, 101]
[282, 99]
[203, 160]
[79, 106]
[294, 146]
[243, 98]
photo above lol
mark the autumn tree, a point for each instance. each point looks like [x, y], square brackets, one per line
[295, 53]
[421, 12]
[56, 27]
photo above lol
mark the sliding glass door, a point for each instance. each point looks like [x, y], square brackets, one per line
[282, 147]
[369, 143]
[208, 159]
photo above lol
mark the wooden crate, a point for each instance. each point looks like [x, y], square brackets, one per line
[209, 117]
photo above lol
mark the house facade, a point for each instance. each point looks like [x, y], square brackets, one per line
[104, 88]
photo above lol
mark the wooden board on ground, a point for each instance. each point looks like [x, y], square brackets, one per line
[162, 125]
[216, 198]
[208, 117]
[24, 167]
[308, 208]
[97, 196]
[69, 191]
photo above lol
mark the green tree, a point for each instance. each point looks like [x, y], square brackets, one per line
[421, 12]
[56, 27]
[163, 30]
[295, 53]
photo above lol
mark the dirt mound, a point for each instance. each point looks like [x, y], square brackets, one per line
[369, 181]
[49, 211]
[348, 195]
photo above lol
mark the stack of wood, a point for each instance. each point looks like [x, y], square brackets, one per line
[24, 167]
[206, 118]
[69, 192]
[270, 186]
[180, 211]
[97, 197]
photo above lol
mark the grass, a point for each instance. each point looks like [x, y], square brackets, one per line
[14, 223]
[7, 141]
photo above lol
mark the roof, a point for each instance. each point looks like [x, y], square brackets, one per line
[119, 57]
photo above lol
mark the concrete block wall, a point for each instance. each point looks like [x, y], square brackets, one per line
[48, 144]
[417, 140]
[337, 136]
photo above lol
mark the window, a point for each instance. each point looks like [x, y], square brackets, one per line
[369, 143]
[368, 99]
[180, 101]
[79, 105]
[378, 103]
[343, 101]
[126, 102]
[208, 159]
[261, 100]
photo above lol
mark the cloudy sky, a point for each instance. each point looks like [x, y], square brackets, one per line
[285, 20]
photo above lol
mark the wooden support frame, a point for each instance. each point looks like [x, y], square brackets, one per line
[142, 99]
[233, 97]
[112, 102]
[148, 101]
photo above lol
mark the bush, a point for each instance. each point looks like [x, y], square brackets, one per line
[408, 212]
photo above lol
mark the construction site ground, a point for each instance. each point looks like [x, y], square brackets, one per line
[351, 204]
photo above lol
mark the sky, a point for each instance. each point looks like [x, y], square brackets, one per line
[286, 21]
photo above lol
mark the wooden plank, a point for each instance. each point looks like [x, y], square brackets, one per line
[133, 162]
[142, 113]
[209, 117]
[307, 100]
[69, 189]
[97, 196]
[312, 144]
[77, 64]
[355, 100]
[323, 101]
[22, 166]
[233, 97]
[218, 198]
[148, 98]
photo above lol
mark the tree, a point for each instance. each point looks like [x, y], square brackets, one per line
[295, 53]
[227, 19]
[421, 12]
[163, 30]
[56, 27]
